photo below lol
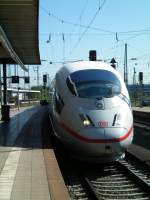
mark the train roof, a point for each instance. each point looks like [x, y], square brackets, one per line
[86, 65]
[70, 68]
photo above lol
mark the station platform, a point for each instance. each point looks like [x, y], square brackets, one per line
[14, 111]
[140, 152]
[28, 167]
[141, 109]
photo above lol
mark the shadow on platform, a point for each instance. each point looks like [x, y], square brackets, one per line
[30, 129]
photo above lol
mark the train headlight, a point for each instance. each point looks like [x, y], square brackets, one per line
[86, 120]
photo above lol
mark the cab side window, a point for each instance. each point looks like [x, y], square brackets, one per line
[59, 104]
[70, 86]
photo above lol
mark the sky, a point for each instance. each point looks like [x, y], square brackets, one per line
[69, 29]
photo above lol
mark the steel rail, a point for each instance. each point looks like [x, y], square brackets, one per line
[143, 184]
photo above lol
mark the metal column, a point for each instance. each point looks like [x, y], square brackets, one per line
[4, 85]
[5, 108]
[0, 87]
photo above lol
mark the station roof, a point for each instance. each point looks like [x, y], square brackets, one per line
[19, 24]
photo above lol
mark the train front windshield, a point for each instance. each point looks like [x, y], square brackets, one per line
[95, 83]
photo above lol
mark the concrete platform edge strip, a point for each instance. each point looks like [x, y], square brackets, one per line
[56, 183]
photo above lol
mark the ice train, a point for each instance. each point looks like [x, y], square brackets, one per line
[91, 111]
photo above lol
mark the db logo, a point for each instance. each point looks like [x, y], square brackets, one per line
[103, 124]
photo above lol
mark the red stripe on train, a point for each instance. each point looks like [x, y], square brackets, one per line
[92, 140]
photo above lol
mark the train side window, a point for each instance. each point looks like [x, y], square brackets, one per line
[70, 86]
[59, 104]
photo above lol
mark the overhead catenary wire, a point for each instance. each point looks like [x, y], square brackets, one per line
[89, 25]
[119, 41]
[61, 20]
[69, 35]
[117, 35]
[135, 31]
[50, 14]
[83, 10]
[80, 16]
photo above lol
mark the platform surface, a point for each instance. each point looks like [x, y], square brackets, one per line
[28, 167]
[140, 152]
[141, 109]
[15, 111]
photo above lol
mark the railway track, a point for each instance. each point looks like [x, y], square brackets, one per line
[126, 179]
[138, 168]
[117, 181]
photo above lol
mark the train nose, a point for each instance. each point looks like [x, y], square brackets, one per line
[117, 139]
[92, 140]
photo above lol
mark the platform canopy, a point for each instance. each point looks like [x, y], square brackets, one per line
[19, 41]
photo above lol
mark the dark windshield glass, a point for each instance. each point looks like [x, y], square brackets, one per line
[96, 90]
[96, 83]
[94, 75]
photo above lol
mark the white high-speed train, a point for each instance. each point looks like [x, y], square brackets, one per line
[91, 111]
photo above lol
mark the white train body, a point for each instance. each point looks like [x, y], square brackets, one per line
[91, 111]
